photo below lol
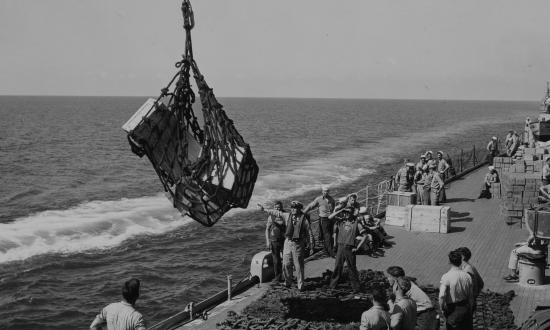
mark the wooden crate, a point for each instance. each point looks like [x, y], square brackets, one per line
[396, 215]
[427, 218]
[400, 198]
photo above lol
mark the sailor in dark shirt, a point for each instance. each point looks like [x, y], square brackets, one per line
[275, 238]
[346, 229]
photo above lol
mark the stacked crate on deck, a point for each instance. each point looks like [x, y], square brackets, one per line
[519, 191]
[502, 163]
[495, 190]
[534, 159]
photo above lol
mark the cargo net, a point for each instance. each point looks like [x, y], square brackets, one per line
[205, 170]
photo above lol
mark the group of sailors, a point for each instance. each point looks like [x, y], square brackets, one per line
[410, 308]
[425, 178]
[512, 141]
[344, 227]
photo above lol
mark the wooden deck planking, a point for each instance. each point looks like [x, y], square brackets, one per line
[482, 229]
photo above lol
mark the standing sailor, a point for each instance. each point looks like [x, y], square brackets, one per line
[298, 232]
[404, 177]
[122, 315]
[492, 148]
[456, 295]
[421, 162]
[275, 238]
[430, 158]
[426, 183]
[443, 168]
[417, 179]
[436, 185]
[511, 151]
[509, 139]
[326, 204]
[346, 229]
[425, 311]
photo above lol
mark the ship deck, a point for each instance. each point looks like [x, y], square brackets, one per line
[476, 224]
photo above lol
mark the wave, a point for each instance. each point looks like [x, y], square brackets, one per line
[91, 225]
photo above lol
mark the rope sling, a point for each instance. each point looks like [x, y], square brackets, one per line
[205, 170]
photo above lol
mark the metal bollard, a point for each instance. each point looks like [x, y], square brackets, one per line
[191, 310]
[229, 280]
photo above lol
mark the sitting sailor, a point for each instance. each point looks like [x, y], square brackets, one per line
[534, 247]
[490, 178]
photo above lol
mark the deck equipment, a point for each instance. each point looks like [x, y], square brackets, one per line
[205, 170]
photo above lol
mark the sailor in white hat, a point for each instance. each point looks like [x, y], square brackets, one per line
[492, 148]
[490, 178]
[298, 236]
[430, 158]
[421, 162]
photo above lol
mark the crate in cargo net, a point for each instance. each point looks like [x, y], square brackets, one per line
[396, 215]
[428, 218]
[401, 198]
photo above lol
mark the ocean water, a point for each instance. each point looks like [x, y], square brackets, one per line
[80, 214]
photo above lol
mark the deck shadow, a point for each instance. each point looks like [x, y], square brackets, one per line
[465, 219]
[455, 214]
[454, 229]
[459, 199]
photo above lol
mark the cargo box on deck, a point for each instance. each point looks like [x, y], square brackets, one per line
[428, 218]
[401, 198]
[396, 215]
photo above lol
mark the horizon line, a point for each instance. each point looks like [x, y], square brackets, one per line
[283, 97]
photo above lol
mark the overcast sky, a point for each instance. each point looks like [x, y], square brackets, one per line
[430, 49]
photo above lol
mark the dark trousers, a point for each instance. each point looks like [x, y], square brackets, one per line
[426, 320]
[276, 252]
[344, 254]
[442, 195]
[325, 233]
[458, 316]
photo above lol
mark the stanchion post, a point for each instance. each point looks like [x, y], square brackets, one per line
[229, 280]
[367, 197]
